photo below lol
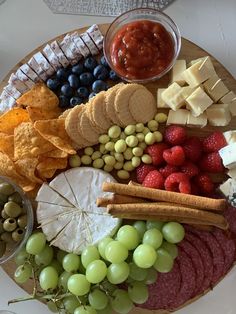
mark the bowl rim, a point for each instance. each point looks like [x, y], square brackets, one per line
[30, 220]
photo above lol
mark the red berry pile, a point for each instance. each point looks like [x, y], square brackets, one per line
[181, 163]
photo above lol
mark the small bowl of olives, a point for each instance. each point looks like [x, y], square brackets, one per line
[16, 219]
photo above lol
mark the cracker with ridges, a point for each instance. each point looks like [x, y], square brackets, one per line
[98, 112]
[87, 130]
[11, 119]
[65, 113]
[27, 167]
[36, 114]
[89, 109]
[110, 103]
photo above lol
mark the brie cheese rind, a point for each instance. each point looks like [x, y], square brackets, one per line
[43, 62]
[37, 69]
[25, 68]
[67, 211]
[52, 58]
[96, 36]
[18, 84]
[83, 49]
[90, 44]
[59, 53]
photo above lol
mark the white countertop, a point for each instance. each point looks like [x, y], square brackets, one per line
[25, 24]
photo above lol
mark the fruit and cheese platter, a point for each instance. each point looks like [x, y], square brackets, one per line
[120, 141]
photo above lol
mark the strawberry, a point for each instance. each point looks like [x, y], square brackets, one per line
[174, 156]
[175, 135]
[189, 168]
[142, 170]
[193, 148]
[204, 183]
[212, 163]
[214, 142]
[156, 152]
[154, 180]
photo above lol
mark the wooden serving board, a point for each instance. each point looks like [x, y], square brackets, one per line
[189, 51]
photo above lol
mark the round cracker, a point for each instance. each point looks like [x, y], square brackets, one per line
[87, 130]
[89, 109]
[142, 105]
[98, 112]
[110, 103]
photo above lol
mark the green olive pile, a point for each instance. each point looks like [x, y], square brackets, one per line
[13, 218]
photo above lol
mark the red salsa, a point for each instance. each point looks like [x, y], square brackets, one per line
[141, 49]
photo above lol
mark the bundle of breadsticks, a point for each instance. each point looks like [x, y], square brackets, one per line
[136, 202]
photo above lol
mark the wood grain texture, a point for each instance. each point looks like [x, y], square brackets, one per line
[189, 51]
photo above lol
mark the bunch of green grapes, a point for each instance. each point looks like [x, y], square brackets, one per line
[90, 283]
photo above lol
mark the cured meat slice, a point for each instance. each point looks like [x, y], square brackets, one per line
[165, 290]
[195, 257]
[188, 280]
[230, 215]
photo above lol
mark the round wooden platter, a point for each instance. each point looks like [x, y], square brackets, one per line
[189, 51]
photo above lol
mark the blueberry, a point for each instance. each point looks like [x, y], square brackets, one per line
[98, 86]
[90, 63]
[64, 102]
[100, 72]
[53, 84]
[73, 81]
[103, 61]
[86, 78]
[91, 95]
[113, 76]
[78, 69]
[82, 92]
[75, 101]
[62, 74]
[67, 90]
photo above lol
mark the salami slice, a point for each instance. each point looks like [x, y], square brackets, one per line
[230, 215]
[164, 291]
[188, 280]
[195, 257]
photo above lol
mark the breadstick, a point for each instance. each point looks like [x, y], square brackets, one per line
[204, 203]
[118, 199]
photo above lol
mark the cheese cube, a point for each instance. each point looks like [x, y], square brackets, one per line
[232, 173]
[187, 90]
[215, 88]
[230, 99]
[173, 97]
[218, 115]
[198, 122]
[230, 136]
[225, 187]
[177, 70]
[160, 101]
[208, 63]
[177, 117]
[198, 102]
[197, 74]
[228, 155]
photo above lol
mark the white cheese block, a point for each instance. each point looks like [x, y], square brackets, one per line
[232, 173]
[225, 187]
[215, 88]
[228, 189]
[228, 155]
[59, 53]
[25, 68]
[43, 62]
[24, 78]
[69, 216]
[198, 102]
[73, 48]
[177, 70]
[160, 101]
[208, 63]
[51, 57]
[230, 136]
[230, 98]
[96, 35]
[80, 44]
[218, 115]
[187, 91]
[18, 84]
[173, 97]
[90, 44]
[177, 117]
[37, 69]
[66, 50]
[197, 122]
[12, 91]
[6, 102]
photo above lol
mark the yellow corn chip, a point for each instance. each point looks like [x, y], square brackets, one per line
[11, 119]
[27, 168]
[52, 163]
[36, 114]
[7, 144]
[57, 153]
[47, 174]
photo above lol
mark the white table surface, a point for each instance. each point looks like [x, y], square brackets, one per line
[25, 24]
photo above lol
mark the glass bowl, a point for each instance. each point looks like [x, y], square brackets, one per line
[138, 15]
[13, 248]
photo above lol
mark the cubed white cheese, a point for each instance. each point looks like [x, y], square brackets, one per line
[177, 117]
[228, 188]
[173, 97]
[215, 88]
[225, 187]
[230, 136]
[230, 98]
[198, 102]
[196, 74]
[228, 155]
[198, 122]
[232, 173]
[177, 70]
[187, 90]
[218, 115]
[208, 63]
[160, 101]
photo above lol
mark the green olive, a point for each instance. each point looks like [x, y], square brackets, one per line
[18, 234]
[15, 197]
[2, 248]
[4, 214]
[3, 198]
[1, 225]
[9, 224]
[6, 237]
[6, 188]
[22, 221]
[12, 209]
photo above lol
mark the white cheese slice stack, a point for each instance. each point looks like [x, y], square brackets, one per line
[67, 211]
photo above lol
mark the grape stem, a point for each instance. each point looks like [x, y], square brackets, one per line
[39, 297]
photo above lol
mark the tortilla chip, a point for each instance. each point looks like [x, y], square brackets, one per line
[57, 153]
[28, 142]
[47, 174]
[40, 96]
[7, 144]
[27, 168]
[36, 114]
[54, 131]
[30, 187]
[52, 163]
[11, 119]
[32, 192]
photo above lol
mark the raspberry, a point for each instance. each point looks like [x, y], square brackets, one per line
[204, 183]
[192, 148]
[142, 171]
[167, 170]
[156, 152]
[211, 163]
[214, 142]
[175, 135]
[178, 182]
[189, 168]
[174, 156]
[154, 180]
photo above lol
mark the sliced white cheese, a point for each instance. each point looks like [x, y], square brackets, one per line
[232, 173]
[83, 49]
[228, 155]
[43, 62]
[59, 53]
[48, 195]
[198, 122]
[6, 101]
[173, 97]
[90, 44]
[160, 101]
[51, 57]
[177, 70]
[18, 84]
[177, 117]
[196, 74]
[218, 115]
[25, 68]
[208, 63]
[215, 88]
[73, 48]
[230, 136]
[198, 102]
[24, 78]
[37, 69]
[96, 35]
[12, 91]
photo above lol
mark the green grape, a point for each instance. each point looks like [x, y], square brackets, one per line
[144, 256]
[96, 271]
[53, 306]
[171, 248]
[23, 273]
[154, 224]
[118, 273]
[164, 261]
[82, 269]
[70, 303]
[151, 276]
[98, 299]
[106, 310]
[48, 278]
[121, 302]
[63, 279]
[36, 243]
[140, 226]
[45, 257]
[56, 264]
[128, 236]
[153, 237]
[116, 252]
[173, 232]
[89, 254]
[85, 309]
[137, 273]
[60, 255]
[21, 257]
[71, 262]
[138, 292]
[108, 287]
[102, 246]
[78, 284]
